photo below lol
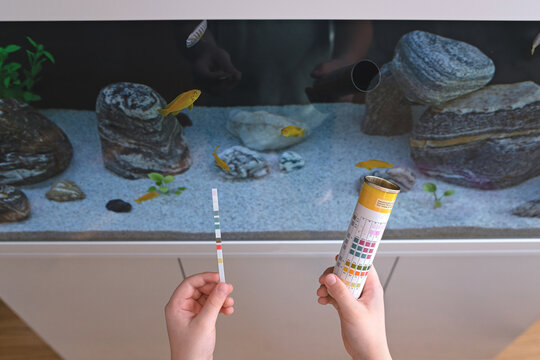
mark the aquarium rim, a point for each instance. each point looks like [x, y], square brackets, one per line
[297, 248]
[66, 10]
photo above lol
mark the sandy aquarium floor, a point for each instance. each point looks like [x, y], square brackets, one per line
[319, 197]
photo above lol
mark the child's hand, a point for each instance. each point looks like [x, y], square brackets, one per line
[362, 320]
[191, 316]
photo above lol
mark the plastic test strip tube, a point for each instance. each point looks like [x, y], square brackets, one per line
[365, 231]
[217, 230]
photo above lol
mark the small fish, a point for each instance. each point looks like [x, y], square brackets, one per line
[197, 34]
[147, 196]
[182, 101]
[370, 164]
[535, 43]
[292, 131]
[222, 164]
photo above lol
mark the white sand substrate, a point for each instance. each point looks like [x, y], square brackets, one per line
[319, 197]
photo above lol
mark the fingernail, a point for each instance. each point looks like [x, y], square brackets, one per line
[330, 280]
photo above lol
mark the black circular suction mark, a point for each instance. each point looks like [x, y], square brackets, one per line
[366, 75]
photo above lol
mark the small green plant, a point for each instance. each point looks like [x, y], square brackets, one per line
[12, 84]
[432, 188]
[161, 184]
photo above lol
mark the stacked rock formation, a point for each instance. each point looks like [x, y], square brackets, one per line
[489, 139]
[243, 163]
[135, 138]
[427, 69]
[32, 148]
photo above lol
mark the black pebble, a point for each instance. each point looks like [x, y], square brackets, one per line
[118, 205]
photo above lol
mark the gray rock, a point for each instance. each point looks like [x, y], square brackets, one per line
[432, 69]
[529, 209]
[290, 161]
[65, 190]
[402, 176]
[135, 138]
[489, 139]
[32, 148]
[118, 205]
[14, 205]
[243, 163]
[261, 130]
[387, 112]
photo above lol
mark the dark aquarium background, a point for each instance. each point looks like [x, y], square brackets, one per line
[111, 129]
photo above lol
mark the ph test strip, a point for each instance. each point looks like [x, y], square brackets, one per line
[217, 230]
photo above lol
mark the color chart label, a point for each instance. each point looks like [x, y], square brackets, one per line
[364, 234]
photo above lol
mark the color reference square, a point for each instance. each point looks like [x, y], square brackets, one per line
[356, 240]
[351, 271]
[346, 269]
[357, 273]
[365, 250]
[353, 246]
[362, 242]
[369, 256]
[363, 256]
[357, 253]
[353, 266]
[351, 252]
[372, 244]
[348, 263]
[371, 251]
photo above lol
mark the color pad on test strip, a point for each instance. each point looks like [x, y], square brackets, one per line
[217, 231]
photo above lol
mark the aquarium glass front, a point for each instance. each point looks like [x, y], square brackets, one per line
[119, 130]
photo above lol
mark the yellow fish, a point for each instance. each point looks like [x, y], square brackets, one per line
[147, 196]
[370, 164]
[292, 131]
[535, 44]
[222, 164]
[182, 101]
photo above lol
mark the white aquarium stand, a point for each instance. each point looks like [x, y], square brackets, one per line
[445, 299]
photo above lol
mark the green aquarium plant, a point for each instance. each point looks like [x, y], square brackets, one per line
[432, 188]
[162, 184]
[12, 83]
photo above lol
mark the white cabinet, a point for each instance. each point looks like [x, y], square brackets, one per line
[93, 307]
[462, 306]
[445, 300]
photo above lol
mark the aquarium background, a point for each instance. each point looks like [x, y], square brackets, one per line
[457, 106]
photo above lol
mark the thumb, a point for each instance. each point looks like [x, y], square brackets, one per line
[340, 293]
[213, 304]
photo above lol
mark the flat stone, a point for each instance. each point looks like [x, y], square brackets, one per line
[387, 111]
[135, 138]
[32, 148]
[404, 177]
[65, 190]
[290, 161]
[14, 205]
[118, 205]
[243, 163]
[432, 69]
[529, 209]
[261, 130]
[489, 139]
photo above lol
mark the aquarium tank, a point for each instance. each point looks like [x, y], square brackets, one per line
[116, 130]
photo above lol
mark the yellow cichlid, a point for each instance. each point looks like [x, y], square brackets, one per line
[182, 101]
[222, 164]
[370, 164]
[147, 196]
[292, 131]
